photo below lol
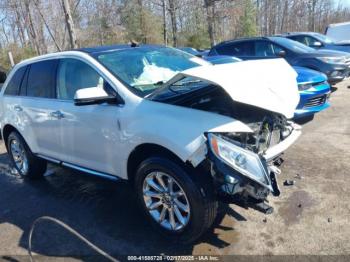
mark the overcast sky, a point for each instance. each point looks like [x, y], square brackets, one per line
[345, 2]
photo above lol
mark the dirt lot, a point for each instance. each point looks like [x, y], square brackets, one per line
[310, 218]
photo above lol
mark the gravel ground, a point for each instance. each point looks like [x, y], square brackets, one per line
[310, 218]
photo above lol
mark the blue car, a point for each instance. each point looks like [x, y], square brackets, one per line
[314, 92]
[313, 88]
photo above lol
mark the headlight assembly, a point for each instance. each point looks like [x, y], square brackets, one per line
[245, 162]
[303, 87]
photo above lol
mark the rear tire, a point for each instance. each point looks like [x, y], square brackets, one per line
[198, 206]
[26, 163]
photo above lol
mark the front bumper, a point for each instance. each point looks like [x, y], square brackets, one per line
[313, 100]
[337, 73]
[231, 182]
[275, 151]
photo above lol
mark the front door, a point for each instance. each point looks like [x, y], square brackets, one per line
[89, 133]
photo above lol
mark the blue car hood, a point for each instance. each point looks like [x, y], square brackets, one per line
[306, 75]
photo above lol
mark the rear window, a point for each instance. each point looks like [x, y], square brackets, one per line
[41, 79]
[13, 86]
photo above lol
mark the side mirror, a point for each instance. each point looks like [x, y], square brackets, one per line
[282, 53]
[316, 44]
[93, 95]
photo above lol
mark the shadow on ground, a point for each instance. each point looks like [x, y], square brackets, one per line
[102, 211]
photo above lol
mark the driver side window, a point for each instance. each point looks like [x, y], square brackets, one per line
[74, 74]
[310, 41]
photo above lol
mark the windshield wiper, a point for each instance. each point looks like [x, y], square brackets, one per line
[173, 87]
[187, 82]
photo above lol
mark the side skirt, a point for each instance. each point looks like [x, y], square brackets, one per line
[79, 168]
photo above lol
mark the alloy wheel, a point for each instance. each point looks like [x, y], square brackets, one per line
[166, 201]
[19, 156]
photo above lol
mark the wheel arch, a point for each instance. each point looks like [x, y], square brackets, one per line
[143, 151]
[6, 131]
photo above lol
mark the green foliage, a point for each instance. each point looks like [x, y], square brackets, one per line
[141, 24]
[247, 24]
[198, 40]
[130, 18]
[18, 53]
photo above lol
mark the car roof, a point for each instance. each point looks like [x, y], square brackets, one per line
[339, 24]
[242, 39]
[300, 33]
[108, 48]
[84, 50]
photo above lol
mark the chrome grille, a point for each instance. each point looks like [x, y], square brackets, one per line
[316, 101]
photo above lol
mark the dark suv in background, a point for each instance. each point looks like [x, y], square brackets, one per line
[334, 64]
[318, 41]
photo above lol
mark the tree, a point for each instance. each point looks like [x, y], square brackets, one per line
[172, 10]
[248, 19]
[34, 27]
[70, 24]
[210, 12]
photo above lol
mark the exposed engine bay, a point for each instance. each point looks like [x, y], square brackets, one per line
[269, 127]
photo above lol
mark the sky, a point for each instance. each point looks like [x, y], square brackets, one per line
[344, 2]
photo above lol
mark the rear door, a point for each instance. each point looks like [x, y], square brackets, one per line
[36, 108]
[10, 99]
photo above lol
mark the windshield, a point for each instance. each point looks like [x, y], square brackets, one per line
[324, 38]
[292, 45]
[146, 69]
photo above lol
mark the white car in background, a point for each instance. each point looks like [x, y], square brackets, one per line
[184, 132]
[340, 32]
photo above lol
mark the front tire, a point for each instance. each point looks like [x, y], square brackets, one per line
[177, 205]
[25, 162]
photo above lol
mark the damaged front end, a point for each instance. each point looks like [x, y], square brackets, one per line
[245, 165]
[243, 155]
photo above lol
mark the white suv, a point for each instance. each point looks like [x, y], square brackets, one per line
[186, 133]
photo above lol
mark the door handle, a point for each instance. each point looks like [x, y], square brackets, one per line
[18, 108]
[57, 114]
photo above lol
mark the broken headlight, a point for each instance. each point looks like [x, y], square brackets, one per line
[245, 162]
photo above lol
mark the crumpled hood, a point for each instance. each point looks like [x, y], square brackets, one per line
[269, 84]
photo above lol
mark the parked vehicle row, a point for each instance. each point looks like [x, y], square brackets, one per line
[318, 41]
[332, 63]
[186, 133]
